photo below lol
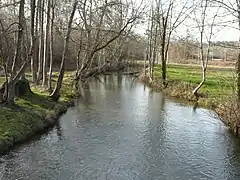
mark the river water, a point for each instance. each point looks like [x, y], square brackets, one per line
[121, 130]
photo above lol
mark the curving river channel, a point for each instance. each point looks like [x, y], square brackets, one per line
[121, 130]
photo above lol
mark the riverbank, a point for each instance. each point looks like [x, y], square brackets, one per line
[33, 113]
[178, 90]
[118, 129]
[182, 79]
[215, 94]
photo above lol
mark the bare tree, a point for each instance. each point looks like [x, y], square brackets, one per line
[46, 44]
[101, 31]
[202, 26]
[56, 93]
[106, 29]
[41, 40]
[14, 76]
[51, 45]
[17, 56]
[238, 60]
[234, 10]
[165, 18]
[153, 41]
[33, 41]
[4, 59]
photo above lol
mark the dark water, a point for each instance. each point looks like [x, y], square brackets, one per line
[121, 130]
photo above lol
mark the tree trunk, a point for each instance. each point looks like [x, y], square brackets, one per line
[33, 41]
[164, 72]
[51, 48]
[17, 57]
[78, 63]
[238, 77]
[150, 58]
[78, 54]
[145, 62]
[10, 97]
[238, 60]
[164, 62]
[195, 91]
[12, 82]
[90, 54]
[5, 95]
[19, 38]
[36, 46]
[41, 39]
[56, 93]
[24, 53]
[164, 49]
[154, 49]
[204, 61]
[46, 45]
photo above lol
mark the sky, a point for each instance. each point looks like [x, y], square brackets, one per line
[221, 33]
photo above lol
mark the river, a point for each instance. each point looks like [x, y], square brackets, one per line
[121, 130]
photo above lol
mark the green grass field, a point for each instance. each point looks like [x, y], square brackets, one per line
[219, 81]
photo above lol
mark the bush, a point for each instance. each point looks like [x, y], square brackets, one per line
[229, 112]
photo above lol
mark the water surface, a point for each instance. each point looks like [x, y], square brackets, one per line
[121, 130]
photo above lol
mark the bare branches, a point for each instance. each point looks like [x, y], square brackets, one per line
[56, 93]
[130, 21]
[6, 5]
[228, 6]
[167, 16]
[103, 23]
[204, 37]
[234, 9]
[6, 31]
[20, 36]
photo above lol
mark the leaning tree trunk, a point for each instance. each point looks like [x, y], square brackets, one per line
[19, 37]
[46, 45]
[195, 91]
[56, 93]
[17, 57]
[204, 61]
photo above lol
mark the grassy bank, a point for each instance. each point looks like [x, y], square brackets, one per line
[182, 79]
[216, 94]
[32, 113]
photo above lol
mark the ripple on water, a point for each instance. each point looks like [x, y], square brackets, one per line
[120, 130]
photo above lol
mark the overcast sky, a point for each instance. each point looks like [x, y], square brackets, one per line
[221, 33]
